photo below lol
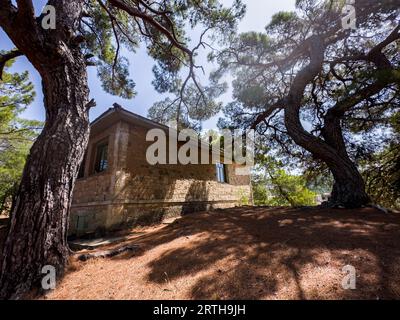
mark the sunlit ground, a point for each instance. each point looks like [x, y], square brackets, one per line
[250, 253]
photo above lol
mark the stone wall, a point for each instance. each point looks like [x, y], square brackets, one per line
[132, 192]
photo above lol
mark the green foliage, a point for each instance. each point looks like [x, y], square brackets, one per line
[190, 107]
[382, 171]
[190, 102]
[282, 18]
[111, 34]
[117, 81]
[273, 186]
[101, 43]
[265, 68]
[244, 199]
[252, 96]
[318, 178]
[16, 134]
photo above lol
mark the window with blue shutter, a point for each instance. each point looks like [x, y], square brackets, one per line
[221, 173]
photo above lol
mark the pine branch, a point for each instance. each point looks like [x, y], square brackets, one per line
[4, 58]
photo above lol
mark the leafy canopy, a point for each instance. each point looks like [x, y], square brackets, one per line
[113, 29]
[356, 89]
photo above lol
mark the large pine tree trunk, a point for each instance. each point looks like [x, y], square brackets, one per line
[349, 188]
[39, 217]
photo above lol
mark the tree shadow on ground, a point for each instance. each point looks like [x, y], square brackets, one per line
[275, 253]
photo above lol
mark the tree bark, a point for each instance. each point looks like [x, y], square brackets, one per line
[349, 187]
[39, 214]
[39, 217]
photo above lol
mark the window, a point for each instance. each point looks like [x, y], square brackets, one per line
[221, 172]
[101, 163]
[81, 172]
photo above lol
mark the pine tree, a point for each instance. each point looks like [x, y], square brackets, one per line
[16, 134]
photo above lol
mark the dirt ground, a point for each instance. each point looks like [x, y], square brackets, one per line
[249, 253]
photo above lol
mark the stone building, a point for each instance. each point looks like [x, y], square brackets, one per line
[117, 187]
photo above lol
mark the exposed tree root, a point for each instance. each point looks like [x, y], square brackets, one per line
[108, 253]
[383, 209]
[335, 205]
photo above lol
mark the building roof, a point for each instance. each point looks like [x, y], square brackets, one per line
[118, 113]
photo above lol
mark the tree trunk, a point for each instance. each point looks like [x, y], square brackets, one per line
[39, 216]
[349, 187]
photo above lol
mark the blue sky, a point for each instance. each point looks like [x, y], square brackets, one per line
[258, 14]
